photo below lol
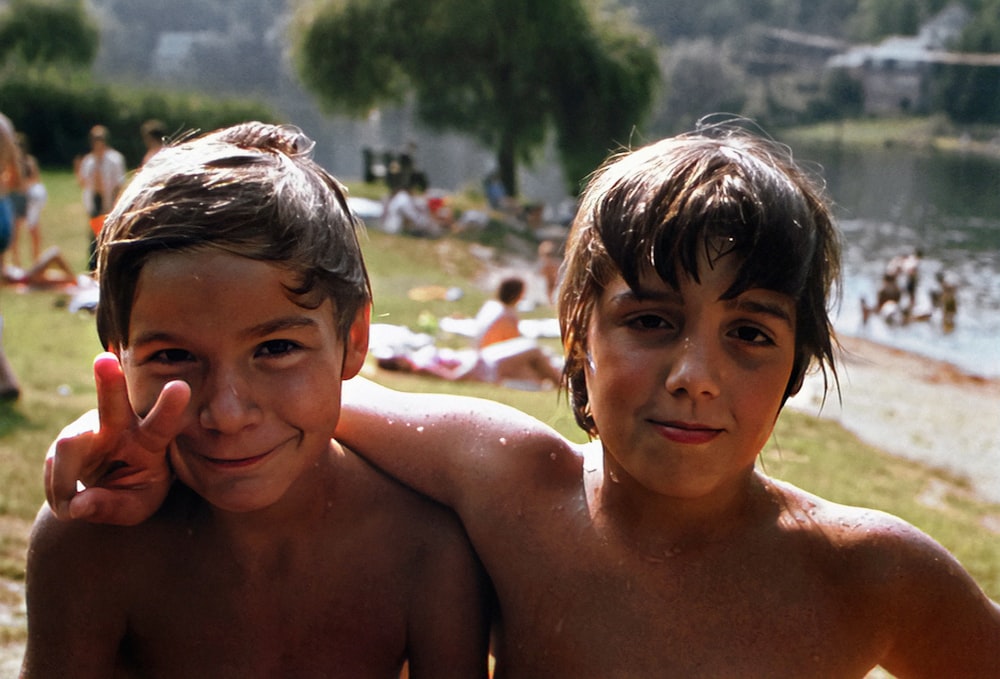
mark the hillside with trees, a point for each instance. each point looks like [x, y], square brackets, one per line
[765, 59]
[711, 53]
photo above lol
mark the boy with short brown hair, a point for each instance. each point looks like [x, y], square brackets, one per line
[694, 299]
[235, 300]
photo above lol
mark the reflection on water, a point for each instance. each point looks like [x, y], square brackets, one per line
[892, 201]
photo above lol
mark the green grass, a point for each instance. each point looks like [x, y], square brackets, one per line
[51, 351]
[929, 134]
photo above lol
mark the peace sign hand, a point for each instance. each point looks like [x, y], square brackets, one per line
[119, 457]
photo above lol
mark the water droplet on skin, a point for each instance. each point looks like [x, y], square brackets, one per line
[614, 477]
[503, 441]
[420, 429]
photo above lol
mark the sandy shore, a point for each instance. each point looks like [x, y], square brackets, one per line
[915, 407]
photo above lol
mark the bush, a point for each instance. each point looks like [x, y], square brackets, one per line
[55, 107]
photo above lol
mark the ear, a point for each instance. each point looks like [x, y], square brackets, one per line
[796, 379]
[356, 343]
[795, 384]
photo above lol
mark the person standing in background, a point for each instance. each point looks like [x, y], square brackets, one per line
[35, 197]
[101, 174]
[10, 176]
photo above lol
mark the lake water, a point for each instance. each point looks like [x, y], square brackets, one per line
[890, 202]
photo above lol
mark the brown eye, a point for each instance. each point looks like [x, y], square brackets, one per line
[279, 347]
[171, 356]
[752, 334]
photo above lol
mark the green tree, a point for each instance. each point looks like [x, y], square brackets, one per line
[48, 32]
[875, 19]
[504, 71]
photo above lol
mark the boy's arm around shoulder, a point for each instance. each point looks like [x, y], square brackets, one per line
[942, 623]
[452, 447]
[76, 610]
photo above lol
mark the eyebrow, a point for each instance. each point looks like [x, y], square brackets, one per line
[777, 310]
[279, 324]
[646, 294]
[261, 330]
[774, 309]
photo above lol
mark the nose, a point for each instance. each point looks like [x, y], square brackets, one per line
[694, 371]
[228, 404]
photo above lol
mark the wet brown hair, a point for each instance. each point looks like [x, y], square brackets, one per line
[661, 207]
[251, 190]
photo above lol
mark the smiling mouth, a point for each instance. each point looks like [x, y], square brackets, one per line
[682, 432]
[234, 464]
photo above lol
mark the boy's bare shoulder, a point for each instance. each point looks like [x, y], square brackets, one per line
[106, 542]
[52, 537]
[847, 528]
[936, 619]
[871, 548]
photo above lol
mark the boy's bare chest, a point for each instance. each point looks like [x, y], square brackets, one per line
[309, 634]
[573, 605]
[337, 617]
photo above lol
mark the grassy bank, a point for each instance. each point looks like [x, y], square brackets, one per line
[934, 133]
[51, 351]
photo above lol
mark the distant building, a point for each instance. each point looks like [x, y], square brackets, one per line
[896, 74]
[785, 51]
[170, 56]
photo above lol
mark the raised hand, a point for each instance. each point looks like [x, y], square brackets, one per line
[119, 457]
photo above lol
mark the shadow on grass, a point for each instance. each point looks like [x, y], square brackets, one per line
[11, 419]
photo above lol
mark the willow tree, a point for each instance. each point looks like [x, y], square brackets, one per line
[507, 72]
[41, 33]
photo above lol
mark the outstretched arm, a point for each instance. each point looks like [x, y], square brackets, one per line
[119, 457]
[447, 447]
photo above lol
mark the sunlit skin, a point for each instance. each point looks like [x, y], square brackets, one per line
[292, 557]
[685, 385]
[264, 373]
[657, 549]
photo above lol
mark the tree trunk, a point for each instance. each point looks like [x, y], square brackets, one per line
[507, 164]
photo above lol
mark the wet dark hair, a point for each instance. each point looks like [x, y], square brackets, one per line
[250, 190]
[663, 207]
